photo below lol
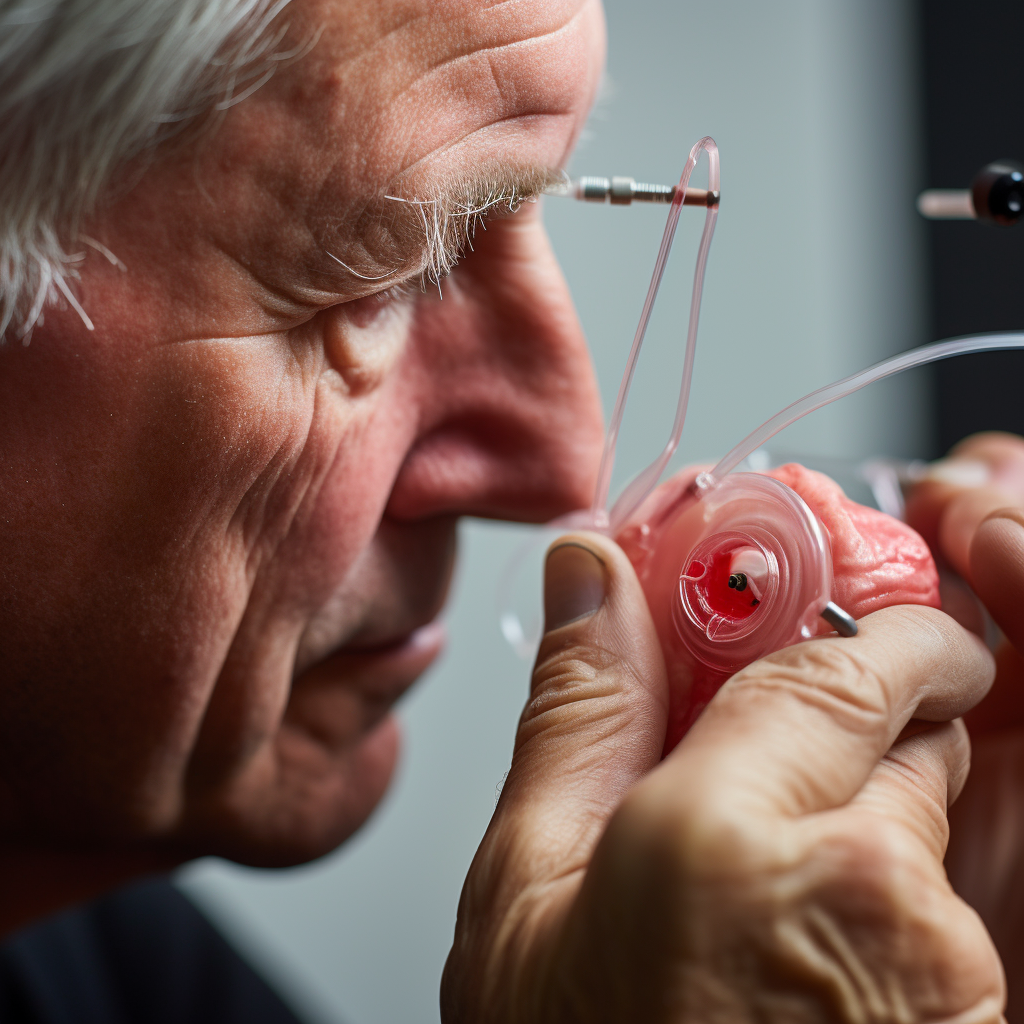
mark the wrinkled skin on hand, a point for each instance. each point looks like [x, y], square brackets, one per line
[783, 865]
[971, 509]
[877, 562]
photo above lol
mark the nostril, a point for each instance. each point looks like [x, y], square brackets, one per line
[481, 466]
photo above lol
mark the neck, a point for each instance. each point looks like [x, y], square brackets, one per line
[41, 880]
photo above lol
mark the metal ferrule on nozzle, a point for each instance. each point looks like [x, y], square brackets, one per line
[621, 191]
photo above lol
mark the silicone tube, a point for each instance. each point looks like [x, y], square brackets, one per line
[645, 481]
[848, 385]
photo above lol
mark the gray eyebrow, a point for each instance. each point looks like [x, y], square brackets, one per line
[449, 218]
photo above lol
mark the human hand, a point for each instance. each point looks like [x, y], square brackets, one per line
[784, 863]
[971, 509]
[965, 510]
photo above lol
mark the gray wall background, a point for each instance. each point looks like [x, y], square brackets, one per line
[816, 271]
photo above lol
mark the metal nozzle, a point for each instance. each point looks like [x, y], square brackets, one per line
[624, 191]
[946, 204]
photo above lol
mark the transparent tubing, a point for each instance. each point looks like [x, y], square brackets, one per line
[522, 631]
[848, 385]
[647, 479]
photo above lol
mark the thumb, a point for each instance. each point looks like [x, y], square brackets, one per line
[596, 717]
[593, 725]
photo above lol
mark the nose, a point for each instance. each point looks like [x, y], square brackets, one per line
[508, 403]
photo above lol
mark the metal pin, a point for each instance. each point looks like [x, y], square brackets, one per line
[946, 204]
[738, 581]
[621, 191]
[839, 619]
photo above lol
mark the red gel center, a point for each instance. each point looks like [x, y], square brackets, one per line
[713, 592]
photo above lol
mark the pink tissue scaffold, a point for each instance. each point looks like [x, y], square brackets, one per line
[871, 561]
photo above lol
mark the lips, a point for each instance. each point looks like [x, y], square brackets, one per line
[385, 671]
[341, 699]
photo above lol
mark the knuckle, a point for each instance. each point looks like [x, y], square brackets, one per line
[876, 910]
[694, 841]
[573, 680]
[880, 866]
[932, 631]
[957, 761]
[933, 755]
[856, 913]
[839, 679]
[938, 640]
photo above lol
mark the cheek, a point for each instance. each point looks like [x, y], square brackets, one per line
[332, 511]
[134, 470]
[364, 340]
[363, 419]
[165, 505]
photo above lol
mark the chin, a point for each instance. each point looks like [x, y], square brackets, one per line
[319, 776]
[301, 807]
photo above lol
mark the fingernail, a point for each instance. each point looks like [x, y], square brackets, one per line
[959, 472]
[574, 585]
[1013, 515]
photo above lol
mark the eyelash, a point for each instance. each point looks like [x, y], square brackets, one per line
[430, 277]
[439, 269]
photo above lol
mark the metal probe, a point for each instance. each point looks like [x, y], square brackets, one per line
[624, 191]
[996, 195]
[839, 619]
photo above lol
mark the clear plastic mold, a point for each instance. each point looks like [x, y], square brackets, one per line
[743, 570]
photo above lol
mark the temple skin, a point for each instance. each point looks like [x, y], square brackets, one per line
[877, 562]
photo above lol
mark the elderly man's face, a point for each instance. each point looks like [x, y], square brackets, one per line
[229, 512]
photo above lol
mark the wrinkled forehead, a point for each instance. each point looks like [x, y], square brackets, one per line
[457, 101]
[413, 92]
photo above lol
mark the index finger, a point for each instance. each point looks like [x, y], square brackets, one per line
[982, 473]
[800, 731]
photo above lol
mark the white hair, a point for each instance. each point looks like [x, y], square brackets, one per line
[85, 86]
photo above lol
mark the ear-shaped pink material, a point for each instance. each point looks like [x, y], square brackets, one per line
[877, 561]
[745, 568]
